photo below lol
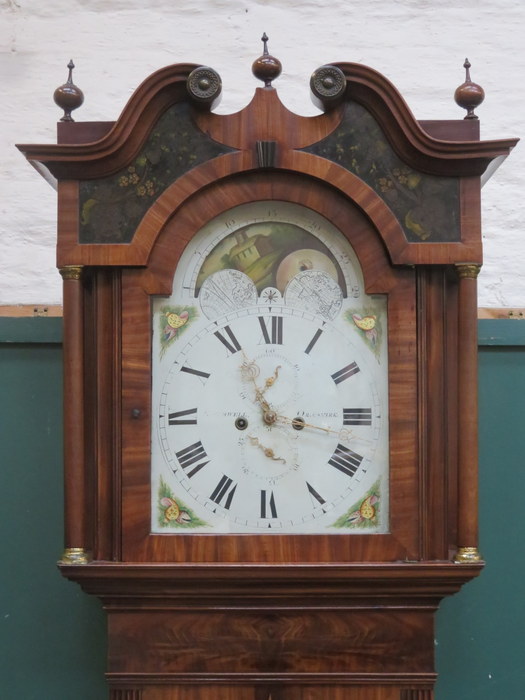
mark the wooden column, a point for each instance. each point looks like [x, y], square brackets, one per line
[417, 694]
[468, 415]
[74, 453]
[122, 694]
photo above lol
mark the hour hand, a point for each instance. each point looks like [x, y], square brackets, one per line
[268, 452]
[259, 394]
[250, 370]
[271, 380]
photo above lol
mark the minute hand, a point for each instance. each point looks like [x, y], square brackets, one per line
[342, 433]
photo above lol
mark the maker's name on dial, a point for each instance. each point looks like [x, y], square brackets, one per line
[318, 414]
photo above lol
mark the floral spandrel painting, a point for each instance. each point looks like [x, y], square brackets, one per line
[364, 514]
[112, 207]
[173, 322]
[173, 513]
[426, 206]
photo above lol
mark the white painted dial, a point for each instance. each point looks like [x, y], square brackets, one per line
[271, 417]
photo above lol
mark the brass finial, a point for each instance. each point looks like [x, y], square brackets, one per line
[266, 67]
[469, 95]
[68, 96]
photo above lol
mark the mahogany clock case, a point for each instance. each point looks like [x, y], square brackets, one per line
[270, 615]
[137, 286]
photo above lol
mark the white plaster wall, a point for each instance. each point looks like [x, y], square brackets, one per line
[420, 45]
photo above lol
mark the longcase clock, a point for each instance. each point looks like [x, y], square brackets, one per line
[270, 382]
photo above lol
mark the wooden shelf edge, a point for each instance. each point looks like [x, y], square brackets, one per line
[506, 312]
[30, 310]
[55, 310]
[329, 584]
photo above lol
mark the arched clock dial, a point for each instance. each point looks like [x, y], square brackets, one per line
[270, 407]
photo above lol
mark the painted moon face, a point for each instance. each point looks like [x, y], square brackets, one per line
[301, 260]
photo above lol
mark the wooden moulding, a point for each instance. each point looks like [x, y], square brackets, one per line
[168, 85]
[79, 161]
[138, 542]
[410, 140]
[309, 170]
[266, 690]
[421, 583]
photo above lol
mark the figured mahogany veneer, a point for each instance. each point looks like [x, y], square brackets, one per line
[281, 617]
[137, 286]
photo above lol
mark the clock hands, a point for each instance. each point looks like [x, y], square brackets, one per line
[298, 424]
[250, 370]
[268, 452]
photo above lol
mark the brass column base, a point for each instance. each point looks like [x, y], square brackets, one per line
[467, 555]
[75, 556]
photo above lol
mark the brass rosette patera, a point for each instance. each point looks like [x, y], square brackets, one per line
[204, 86]
[328, 84]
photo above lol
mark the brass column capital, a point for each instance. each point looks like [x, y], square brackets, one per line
[71, 272]
[468, 270]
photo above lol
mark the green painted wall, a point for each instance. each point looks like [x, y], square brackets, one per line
[480, 648]
[52, 636]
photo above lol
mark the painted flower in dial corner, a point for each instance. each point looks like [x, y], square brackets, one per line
[173, 323]
[366, 511]
[173, 512]
[368, 325]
